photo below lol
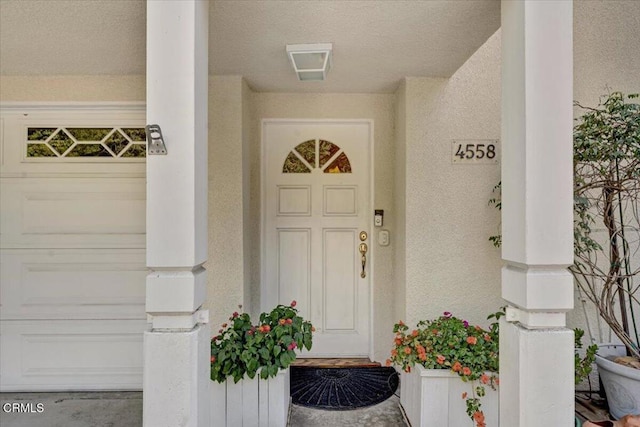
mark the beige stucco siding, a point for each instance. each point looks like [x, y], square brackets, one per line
[450, 264]
[72, 88]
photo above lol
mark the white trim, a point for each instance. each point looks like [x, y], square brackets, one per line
[373, 240]
[17, 106]
[263, 172]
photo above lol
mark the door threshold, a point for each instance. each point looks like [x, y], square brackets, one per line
[348, 362]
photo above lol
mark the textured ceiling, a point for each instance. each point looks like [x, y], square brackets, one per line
[376, 43]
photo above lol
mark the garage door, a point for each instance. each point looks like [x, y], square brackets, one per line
[72, 247]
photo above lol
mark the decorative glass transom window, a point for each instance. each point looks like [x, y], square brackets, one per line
[102, 142]
[316, 154]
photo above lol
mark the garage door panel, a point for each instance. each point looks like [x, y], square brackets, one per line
[70, 355]
[73, 284]
[72, 247]
[73, 212]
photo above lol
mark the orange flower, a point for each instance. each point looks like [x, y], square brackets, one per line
[487, 337]
[394, 352]
[464, 395]
[414, 333]
[497, 381]
[400, 322]
[472, 340]
[478, 417]
[388, 362]
[466, 371]
[398, 341]
[407, 350]
[440, 359]
[484, 379]
[456, 367]
[313, 329]
[213, 359]
[282, 321]
[407, 369]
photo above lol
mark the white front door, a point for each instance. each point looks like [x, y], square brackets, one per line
[316, 204]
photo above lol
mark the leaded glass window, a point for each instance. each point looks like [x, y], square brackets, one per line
[316, 154]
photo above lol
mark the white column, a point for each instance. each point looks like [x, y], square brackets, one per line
[177, 349]
[536, 350]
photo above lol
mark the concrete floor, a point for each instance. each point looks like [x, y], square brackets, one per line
[124, 409]
[96, 409]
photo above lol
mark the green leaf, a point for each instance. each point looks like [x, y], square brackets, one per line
[264, 353]
[285, 360]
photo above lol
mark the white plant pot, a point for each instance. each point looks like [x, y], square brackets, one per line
[621, 383]
[433, 398]
[251, 402]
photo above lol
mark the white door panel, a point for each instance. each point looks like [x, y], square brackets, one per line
[316, 202]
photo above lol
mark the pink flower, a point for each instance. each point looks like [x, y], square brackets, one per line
[447, 314]
[293, 345]
[293, 303]
[465, 323]
[235, 314]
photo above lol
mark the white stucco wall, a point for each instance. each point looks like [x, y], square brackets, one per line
[348, 106]
[606, 39]
[450, 264]
[399, 200]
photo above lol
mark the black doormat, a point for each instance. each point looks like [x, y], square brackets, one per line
[341, 389]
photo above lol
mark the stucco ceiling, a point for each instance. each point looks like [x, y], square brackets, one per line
[376, 43]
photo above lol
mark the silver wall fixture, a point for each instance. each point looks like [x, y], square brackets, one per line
[155, 140]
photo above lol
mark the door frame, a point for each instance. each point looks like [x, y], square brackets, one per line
[263, 181]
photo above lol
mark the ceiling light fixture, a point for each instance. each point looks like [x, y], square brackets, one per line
[310, 61]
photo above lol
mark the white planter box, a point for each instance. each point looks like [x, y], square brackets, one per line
[433, 398]
[249, 403]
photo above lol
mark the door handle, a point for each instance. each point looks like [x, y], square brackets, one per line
[363, 251]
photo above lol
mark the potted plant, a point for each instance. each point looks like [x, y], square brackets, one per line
[249, 366]
[606, 157]
[455, 366]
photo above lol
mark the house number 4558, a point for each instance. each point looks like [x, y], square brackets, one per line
[475, 151]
